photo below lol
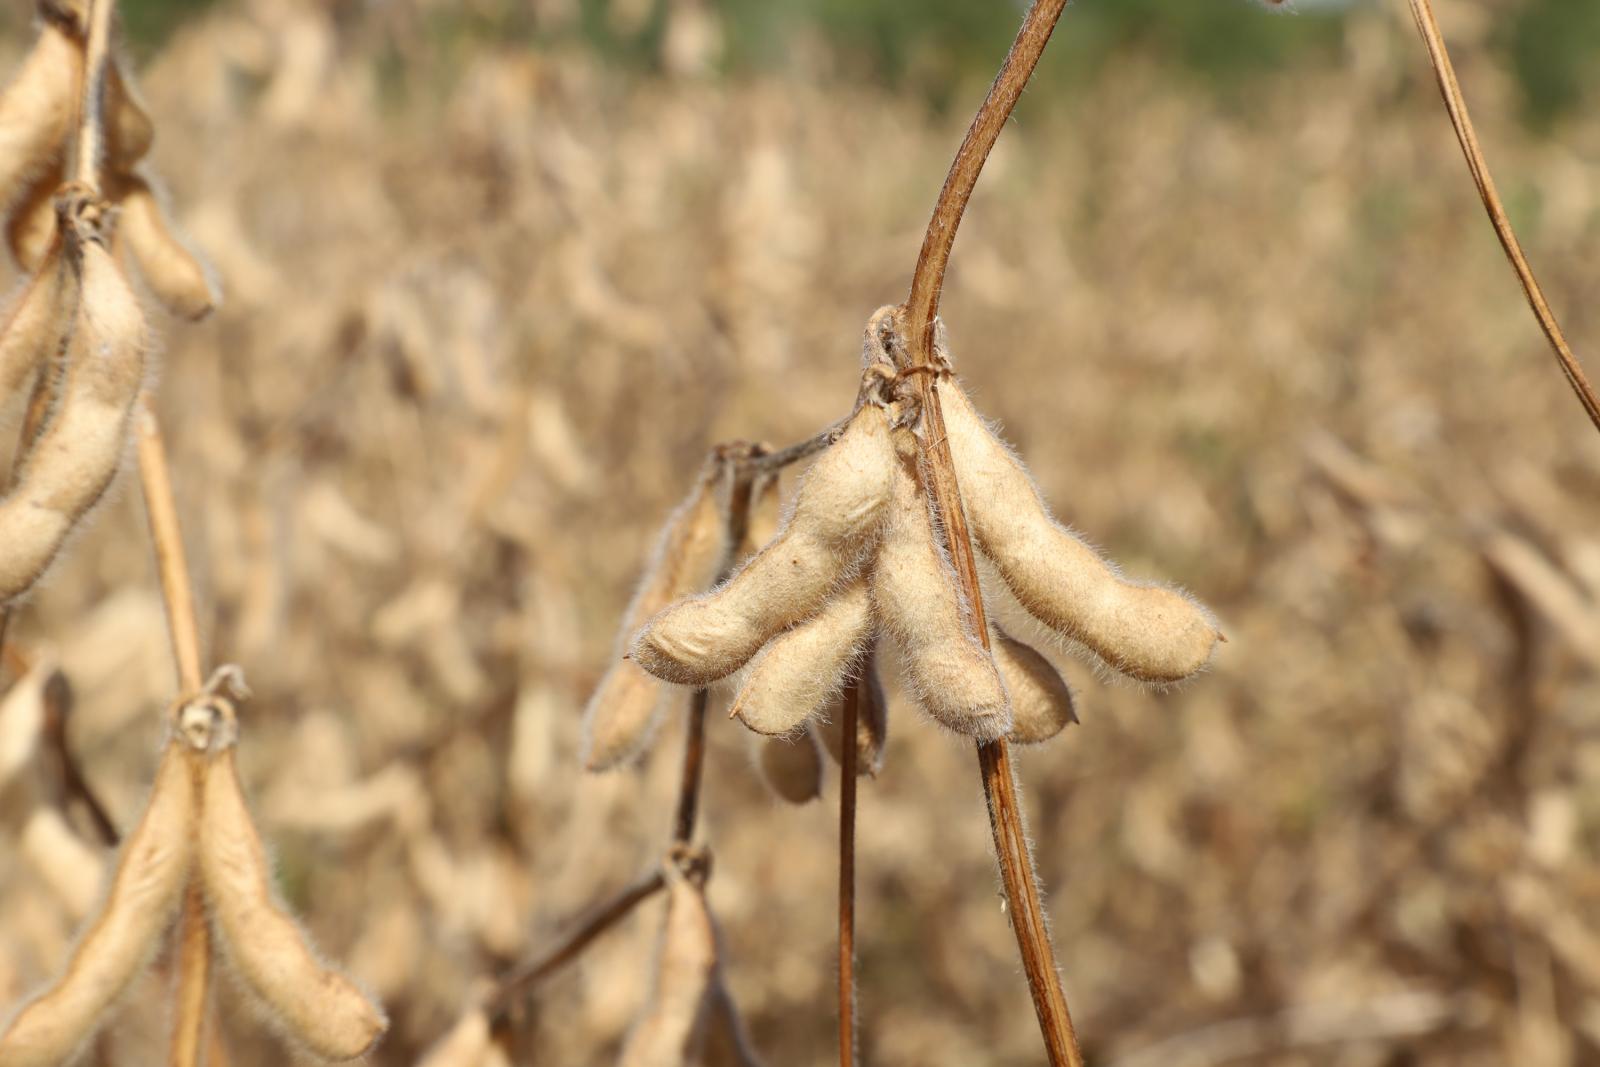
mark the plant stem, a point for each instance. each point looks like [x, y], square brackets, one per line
[1005, 811]
[1456, 105]
[194, 955]
[91, 125]
[694, 758]
[847, 875]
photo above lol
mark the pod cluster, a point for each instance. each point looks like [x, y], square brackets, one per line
[37, 121]
[195, 826]
[862, 558]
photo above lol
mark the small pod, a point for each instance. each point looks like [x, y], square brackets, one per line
[1149, 632]
[77, 455]
[31, 229]
[801, 671]
[36, 110]
[130, 133]
[917, 599]
[622, 714]
[728, 1043]
[318, 1007]
[672, 1028]
[174, 275]
[835, 521]
[1041, 700]
[791, 766]
[138, 909]
[39, 324]
[872, 720]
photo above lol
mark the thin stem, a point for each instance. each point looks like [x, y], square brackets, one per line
[91, 127]
[999, 784]
[171, 562]
[847, 875]
[601, 919]
[927, 281]
[1456, 105]
[694, 758]
[57, 709]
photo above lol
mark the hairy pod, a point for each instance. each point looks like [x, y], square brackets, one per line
[1149, 632]
[31, 230]
[728, 1043]
[120, 940]
[318, 1007]
[77, 455]
[872, 719]
[918, 601]
[39, 324]
[171, 271]
[798, 674]
[791, 766]
[36, 110]
[670, 1032]
[1041, 700]
[129, 131]
[837, 513]
[622, 713]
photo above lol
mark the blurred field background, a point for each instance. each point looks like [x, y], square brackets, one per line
[497, 275]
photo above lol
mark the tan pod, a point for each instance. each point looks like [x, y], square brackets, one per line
[38, 325]
[319, 1008]
[77, 455]
[622, 714]
[670, 1032]
[137, 911]
[872, 720]
[917, 600]
[171, 271]
[728, 1043]
[1148, 632]
[1041, 700]
[837, 513]
[31, 229]
[36, 110]
[791, 766]
[800, 672]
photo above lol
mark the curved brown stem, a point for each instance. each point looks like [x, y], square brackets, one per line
[1456, 105]
[848, 752]
[1005, 809]
[91, 125]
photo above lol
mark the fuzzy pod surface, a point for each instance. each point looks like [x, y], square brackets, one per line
[1041, 701]
[167, 265]
[318, 1007]
[621, 714]
[121, 938]
[39, 323]
[791, 767]
[797, 674]
[672, 1028]
[36, 109]
[728, 1042]
[837, 513]
[917, 600]
[1149, 632]
[77, 455]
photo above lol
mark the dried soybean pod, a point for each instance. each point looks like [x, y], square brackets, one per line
[36, 109]
[77, 455]
[39, 324]
[31, 229]
[130, 132]
[835, 521]
[791, 766]
[625, 708]
[728, 1043]
[872, 720]
[1149, 632]
[799, 672]
[1041, 700]
[917, 600]
[670, 1032]
[320, 1008]
[174, 275]
[138, 908]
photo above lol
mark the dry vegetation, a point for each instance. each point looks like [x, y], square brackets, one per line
[477, 337]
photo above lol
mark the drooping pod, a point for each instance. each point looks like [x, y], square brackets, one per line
[318, 1007]
[791, 766]
[1146, 631]
[622, 713]
[138, 909]
[39, 324]
[795, 677]
[837, 513]
[917, 600]
[672, 1028]
[36, 110]
[872, 720]
[173, 273]
[1041, 700]
[31, 229]
[77, 455]
[728, 1043]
